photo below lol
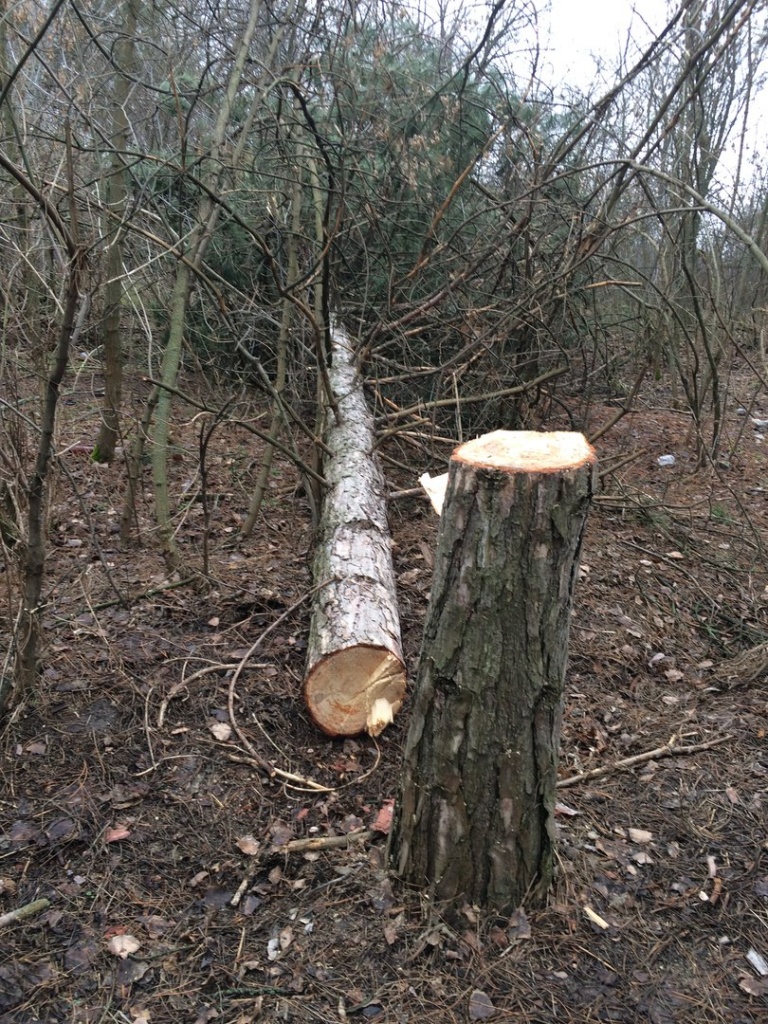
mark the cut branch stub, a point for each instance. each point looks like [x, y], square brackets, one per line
[355, 679]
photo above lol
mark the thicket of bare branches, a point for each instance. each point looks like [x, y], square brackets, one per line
[208, 184]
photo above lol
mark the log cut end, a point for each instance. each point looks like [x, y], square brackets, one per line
[357, 689]
[528, 451]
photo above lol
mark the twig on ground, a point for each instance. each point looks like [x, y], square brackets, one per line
[322, 843]
[299, 846]
[128, 602]
[183, 683]
[668, 750]
[293, 780]
[411, 492]
[28, 910]
[248, 877]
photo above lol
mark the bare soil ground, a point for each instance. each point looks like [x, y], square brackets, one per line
[134, 802]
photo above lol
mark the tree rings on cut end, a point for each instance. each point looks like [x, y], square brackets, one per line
[528, 451]
[355, 689]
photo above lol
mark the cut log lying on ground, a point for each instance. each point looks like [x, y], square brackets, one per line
[355, 678]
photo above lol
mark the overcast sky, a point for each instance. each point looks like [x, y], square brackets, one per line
[578, 28]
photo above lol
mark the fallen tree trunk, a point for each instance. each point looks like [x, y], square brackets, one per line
[355, 678]
[474, 821]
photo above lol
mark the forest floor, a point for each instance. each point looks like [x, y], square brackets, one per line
[132, 798]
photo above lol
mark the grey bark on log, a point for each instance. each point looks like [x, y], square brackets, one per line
[475, 816]
[355, 679]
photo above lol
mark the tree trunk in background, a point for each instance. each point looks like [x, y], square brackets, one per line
[475, 816]
[278, 416]
[125, 47]
[33, 554]
[196, 246]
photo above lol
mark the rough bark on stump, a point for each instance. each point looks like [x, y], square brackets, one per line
[355, 677]
[475, 816]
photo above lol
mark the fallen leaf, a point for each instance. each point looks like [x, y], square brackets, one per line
[221, 730]
[753, 987]
[564, 809]
[156, 925]
[114, 835]
[61, 830]
[18, 979]
[351, 823]
[250, 904]
[123, 945]
[23, 831]
[281, 832]
[519, 926]
[382, 896]
[206, 1014]
[471, 913]
[641, 857]
[130, 971]
[732, 794]
[372, 1011]
[215, 899]
[480, 1006]
[383, 820]
[392, 929]
[675, 554]
[80, 955]
[247, 845]
[640, 835]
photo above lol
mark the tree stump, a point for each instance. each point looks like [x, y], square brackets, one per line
[475, 816]
[355, 679]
